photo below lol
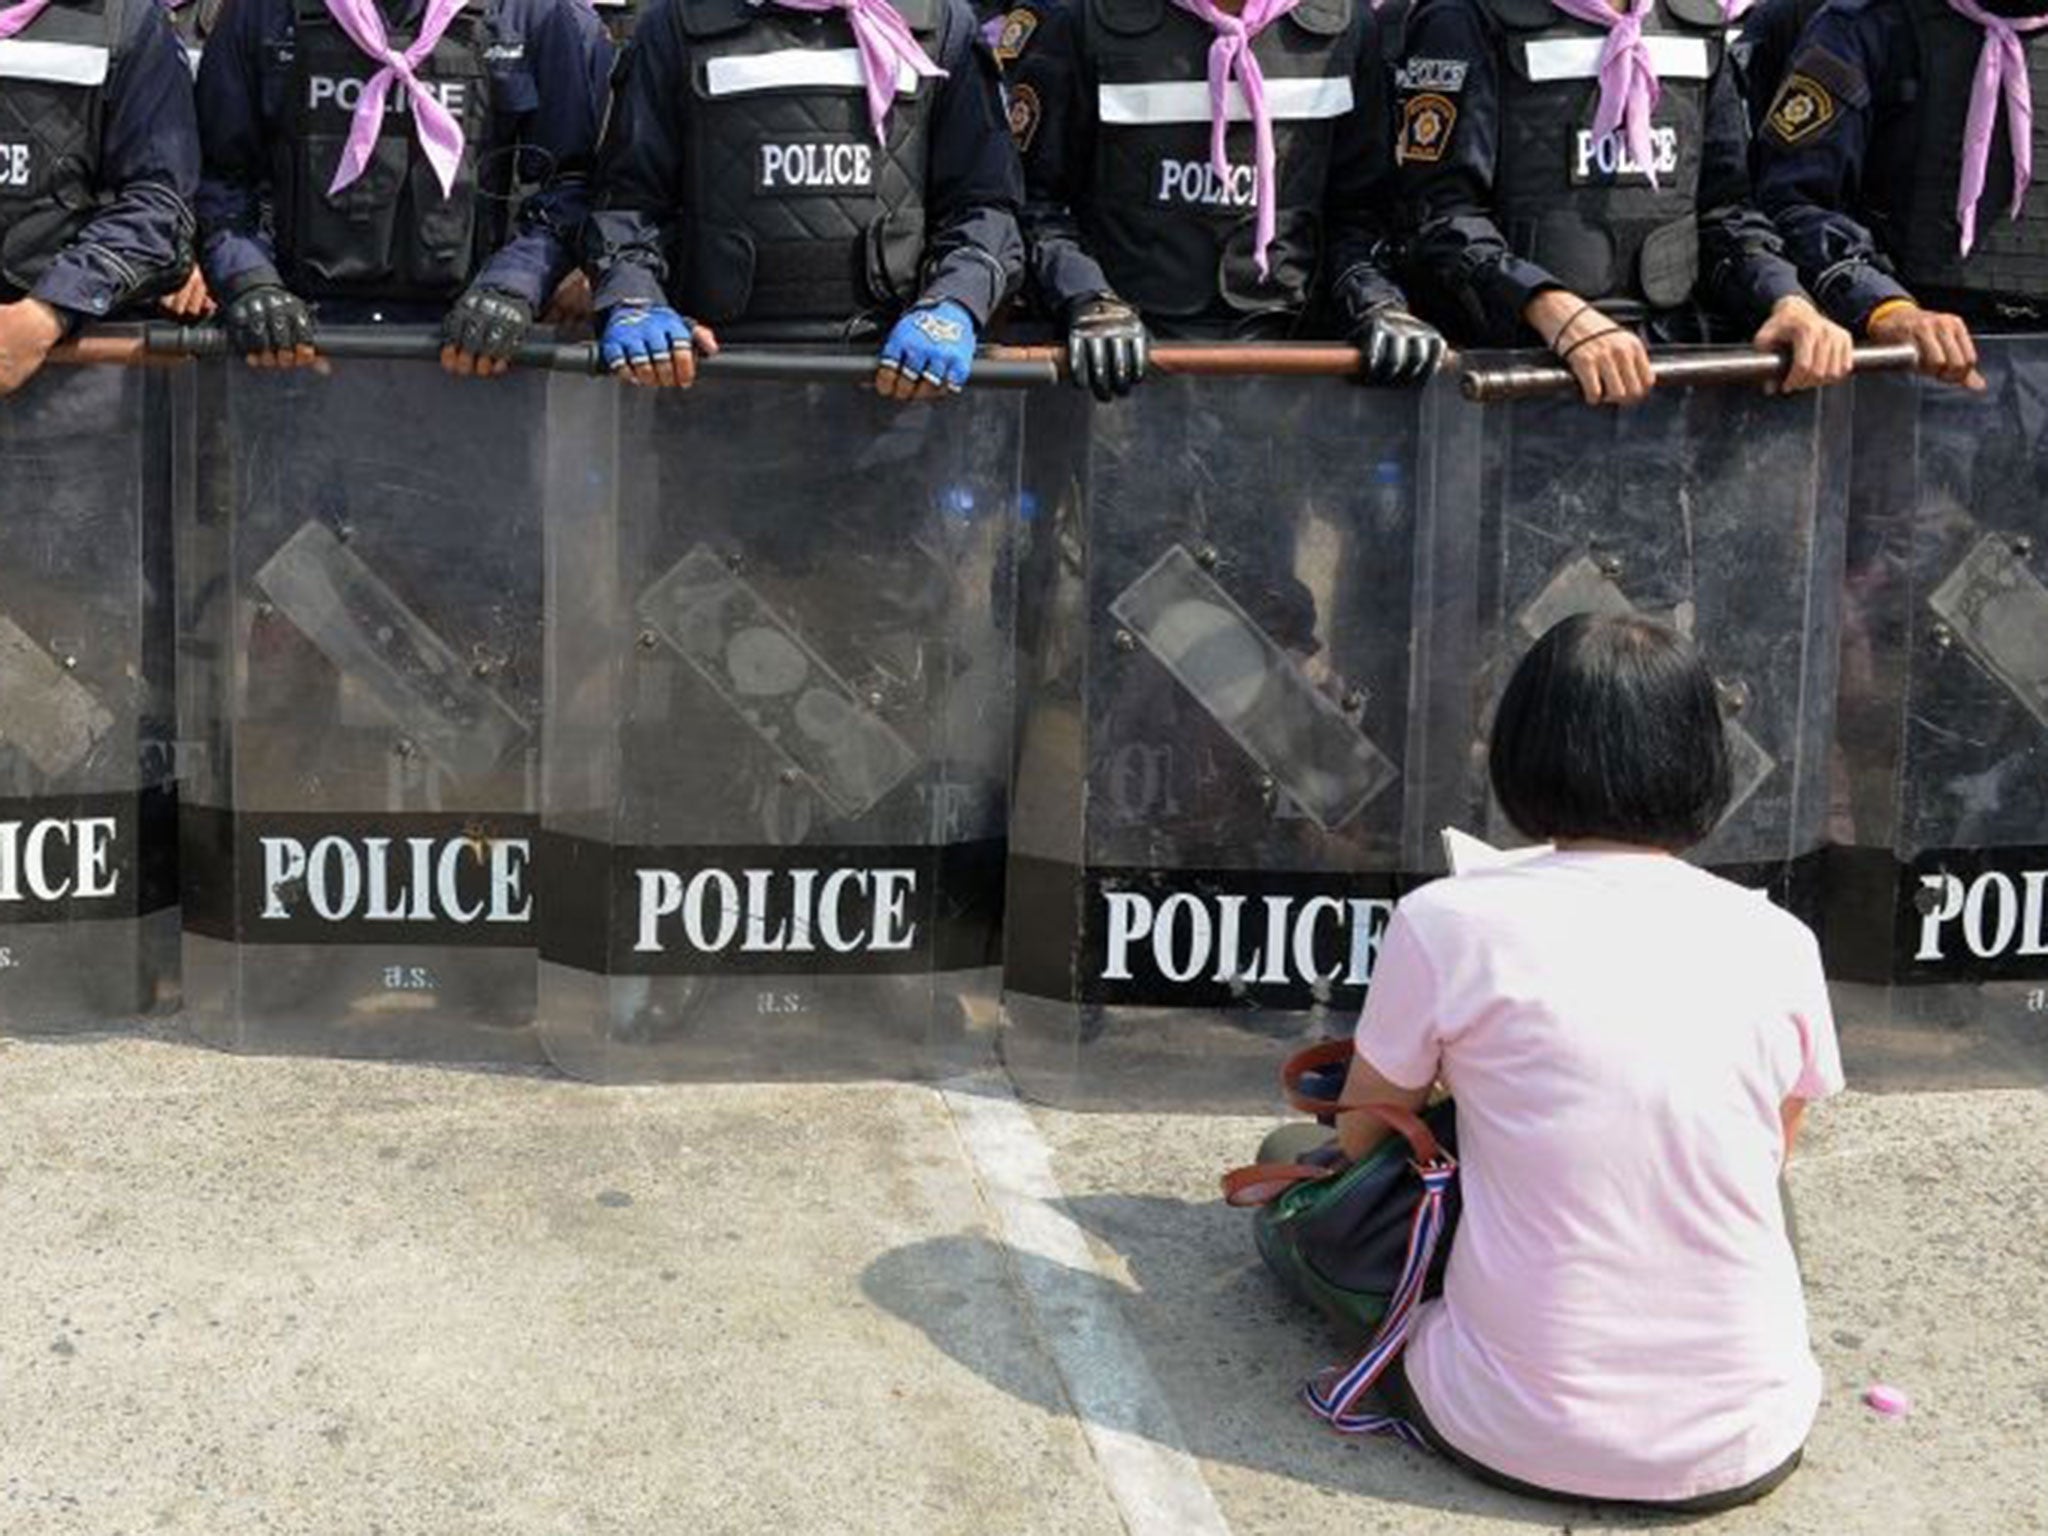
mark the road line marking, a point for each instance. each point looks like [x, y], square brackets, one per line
[1157, 1485]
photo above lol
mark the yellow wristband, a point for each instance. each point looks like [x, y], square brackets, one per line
[1886, 308]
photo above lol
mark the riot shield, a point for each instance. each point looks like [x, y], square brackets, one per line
[1938, 910]
[1719, 511]
[1215, 648]
[91, 465]
[777, 735]
[359, 635]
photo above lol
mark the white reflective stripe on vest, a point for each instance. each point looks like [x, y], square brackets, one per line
[791, 68]
[62, 63]
[1187, 101]
[1578, 58]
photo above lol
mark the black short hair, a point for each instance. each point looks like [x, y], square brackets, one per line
[1611, 728]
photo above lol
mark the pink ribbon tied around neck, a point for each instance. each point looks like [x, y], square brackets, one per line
[440, 134]
[887, 47]
[13, 19]
[2001, 74]
[1629, 87]
[1231, 54]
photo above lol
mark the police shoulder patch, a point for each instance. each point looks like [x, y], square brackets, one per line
[1802, 110]
[1015, 34]
[1426, 124]
[1024, 111]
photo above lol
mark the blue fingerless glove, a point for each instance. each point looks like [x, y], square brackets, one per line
[935, 343]
[642, 333]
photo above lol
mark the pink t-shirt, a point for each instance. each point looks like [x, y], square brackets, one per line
[1622, 1317]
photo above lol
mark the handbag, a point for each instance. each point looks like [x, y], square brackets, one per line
[1361, 1242]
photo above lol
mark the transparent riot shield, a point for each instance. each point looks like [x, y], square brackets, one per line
[91, 465]
[777, 735]
[1719, 511]
[1215, 649]
[359, 638]
[1938, 911]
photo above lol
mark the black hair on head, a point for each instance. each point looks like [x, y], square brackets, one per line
[1611, 728]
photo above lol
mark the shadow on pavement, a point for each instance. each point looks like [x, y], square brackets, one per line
[1227, 1348]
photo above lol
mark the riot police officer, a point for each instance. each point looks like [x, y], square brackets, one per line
[1895, 157]
[1578, 174]
[369, 154]
[806, 169]
[99, 156]
[1210, 171]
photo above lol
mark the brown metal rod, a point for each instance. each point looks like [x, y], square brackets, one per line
[1533, 381]
[116, 351]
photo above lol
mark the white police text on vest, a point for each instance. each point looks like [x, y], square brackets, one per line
[1196, 182]
[816, 167]
[1267, 941]
[58, 860]
[1609, 157]
[1991, 917]
[346, 94]
[14, 165]
[397, 880]
[789, 911]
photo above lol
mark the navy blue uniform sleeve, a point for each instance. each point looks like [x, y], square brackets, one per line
[1359, 209]
[639, 166]
[1446, 149]
[974, 254]
[1761, 47]
[1743, 266]
[557, 81]
[234, 245]
[1811, 150]
[139, 244]
[1052, 110]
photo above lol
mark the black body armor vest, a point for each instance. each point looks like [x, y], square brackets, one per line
[1173, 237]
[792, 212]
[390, 234]
[1915, 167]
[1578, 206]
[52, 110]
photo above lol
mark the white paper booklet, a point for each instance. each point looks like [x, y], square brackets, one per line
[1465, 853]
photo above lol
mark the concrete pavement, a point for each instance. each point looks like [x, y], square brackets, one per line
[281, 1296]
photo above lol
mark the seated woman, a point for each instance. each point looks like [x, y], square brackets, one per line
[1631, 1042]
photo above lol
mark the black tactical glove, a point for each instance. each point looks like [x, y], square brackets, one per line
[1106, 346]
[487, 323]
[1396, 348]
[268, 319]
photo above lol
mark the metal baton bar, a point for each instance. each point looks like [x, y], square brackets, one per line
[999, 366]
[1532, 381]
[162, 341]
[390, 343]
[1295, 360]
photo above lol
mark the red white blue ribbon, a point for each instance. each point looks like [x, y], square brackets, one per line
[1337, 1403]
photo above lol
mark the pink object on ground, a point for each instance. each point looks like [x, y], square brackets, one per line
[1889, 1401]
